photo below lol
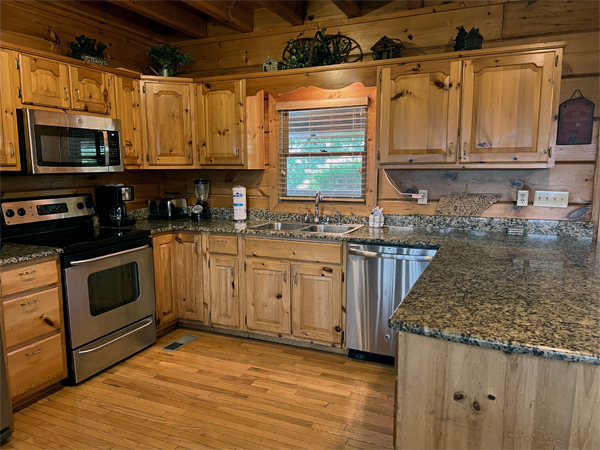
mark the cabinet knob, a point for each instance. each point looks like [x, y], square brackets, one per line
[465, 149]
[237, 153]
[66, 93]
[78, 96]
[450, 149]
[12, 149]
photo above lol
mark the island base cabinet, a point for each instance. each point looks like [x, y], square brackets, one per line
[188, 274]
[455, 396]
[163, 254]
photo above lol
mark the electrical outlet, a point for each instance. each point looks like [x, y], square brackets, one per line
[551, 199]
[423, 199]
[522, 198]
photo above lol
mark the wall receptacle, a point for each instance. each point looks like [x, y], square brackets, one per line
[423, 199]
[522, 198]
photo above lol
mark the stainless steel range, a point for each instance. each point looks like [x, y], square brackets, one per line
[107, 274]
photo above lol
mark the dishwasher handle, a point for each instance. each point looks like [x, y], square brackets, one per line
[368, 254]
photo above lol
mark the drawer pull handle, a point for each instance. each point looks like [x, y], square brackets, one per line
[33, 353]
[29, 272]
[29, 303]
[78, 96]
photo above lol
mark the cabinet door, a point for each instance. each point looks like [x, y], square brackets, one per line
[507, 108]
[419, 113]
[224, 296]
[169, 121]
[188, 275]
[90, 90]
[268, 296]
[44, 82]
[163, 253]
[222, 137]
[129, 111]
[317, 302]
[9, 141]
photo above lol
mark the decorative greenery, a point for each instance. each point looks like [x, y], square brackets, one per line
[321, 50]
[168, 58]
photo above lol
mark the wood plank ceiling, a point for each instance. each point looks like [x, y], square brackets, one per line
[178, 20]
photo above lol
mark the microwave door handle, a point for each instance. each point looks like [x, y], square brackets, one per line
[106, 150]
[83, 261]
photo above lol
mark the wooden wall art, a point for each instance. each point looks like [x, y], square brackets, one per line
[575, 121]
[469, 205]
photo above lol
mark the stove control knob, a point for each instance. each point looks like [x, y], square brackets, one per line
[21, 212]
[10, 213]
[89, 204]
[80, 205]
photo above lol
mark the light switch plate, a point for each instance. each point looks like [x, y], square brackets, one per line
[423, 199]
[551, 199]
[522, 198]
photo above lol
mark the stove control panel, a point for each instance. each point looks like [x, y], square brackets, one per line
[19, 212]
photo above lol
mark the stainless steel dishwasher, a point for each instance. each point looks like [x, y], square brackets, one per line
[379, 277]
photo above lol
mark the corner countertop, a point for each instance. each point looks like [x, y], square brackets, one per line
[533, 294]
[12, 253]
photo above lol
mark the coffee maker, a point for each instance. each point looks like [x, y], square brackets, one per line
[201, 189]
[110, 204]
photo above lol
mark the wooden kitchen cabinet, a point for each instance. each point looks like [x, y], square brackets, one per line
[268, 296]
[507, 108]
[224, 292]
[9, 134]
[188, 273]
[164, 257]
[128, 104]
[221, 123]
[91, 90]
[44, 82]
[169, 123]
[317, 302]
[419, 112]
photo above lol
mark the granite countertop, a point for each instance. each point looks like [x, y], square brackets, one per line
[532, 294]
[12, 253]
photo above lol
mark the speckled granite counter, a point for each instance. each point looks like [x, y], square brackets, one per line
[534, 294]
[12, 253]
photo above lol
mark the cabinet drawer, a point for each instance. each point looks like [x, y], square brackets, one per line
[35, 364]
[223, 244]
[298, 251]
[29, 277]
[31, 316]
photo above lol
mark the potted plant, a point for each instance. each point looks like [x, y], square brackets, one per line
[168, 59]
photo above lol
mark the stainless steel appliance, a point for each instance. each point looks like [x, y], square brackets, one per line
[107, 274]
[379, 277]
[58, 142]
[201, 188]
[110, 202]
[5, 407]
[167, 208]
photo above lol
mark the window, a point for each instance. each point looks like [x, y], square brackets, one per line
[325, 150]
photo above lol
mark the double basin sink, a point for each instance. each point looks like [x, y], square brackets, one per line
[307, 228]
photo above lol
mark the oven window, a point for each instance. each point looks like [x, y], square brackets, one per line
[112, 288]
[69, 147]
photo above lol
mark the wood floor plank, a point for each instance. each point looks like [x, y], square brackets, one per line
[218, 392]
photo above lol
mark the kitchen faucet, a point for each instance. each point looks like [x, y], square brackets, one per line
[318, 198]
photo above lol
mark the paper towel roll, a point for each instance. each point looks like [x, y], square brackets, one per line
[239, 203]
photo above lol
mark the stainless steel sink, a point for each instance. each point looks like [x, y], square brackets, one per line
[337, 229]
[279, 226]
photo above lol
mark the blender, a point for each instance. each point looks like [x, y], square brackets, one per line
[201, 189]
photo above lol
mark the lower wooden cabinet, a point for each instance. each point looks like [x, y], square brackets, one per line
[224, 292]
[268, 296]
[188, 275]
[163, 253]
[317, 302]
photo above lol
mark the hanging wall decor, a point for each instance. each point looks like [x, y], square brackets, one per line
[320, 50]
[575, 121]
[87, 50]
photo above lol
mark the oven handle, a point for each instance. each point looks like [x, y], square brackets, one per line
[82, 352]
[83, 261]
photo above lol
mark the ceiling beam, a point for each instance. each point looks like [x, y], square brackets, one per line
[168, 13]
[290, 11]
[233, 13]
[351, 8]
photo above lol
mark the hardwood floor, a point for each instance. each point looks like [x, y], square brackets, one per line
[218, 392]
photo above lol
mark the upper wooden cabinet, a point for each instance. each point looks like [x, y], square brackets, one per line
[44, 82]
[221, 123]
[91, 90]
[128, 103]
[506, 101]
[169, 124]
[9, 138]
[419, 113]
[507, 108]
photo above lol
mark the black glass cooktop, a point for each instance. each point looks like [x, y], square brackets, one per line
[82, 239]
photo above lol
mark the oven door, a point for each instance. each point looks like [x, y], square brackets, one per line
[108, 292]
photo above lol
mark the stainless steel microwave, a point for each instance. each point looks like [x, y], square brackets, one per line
[58, 142]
